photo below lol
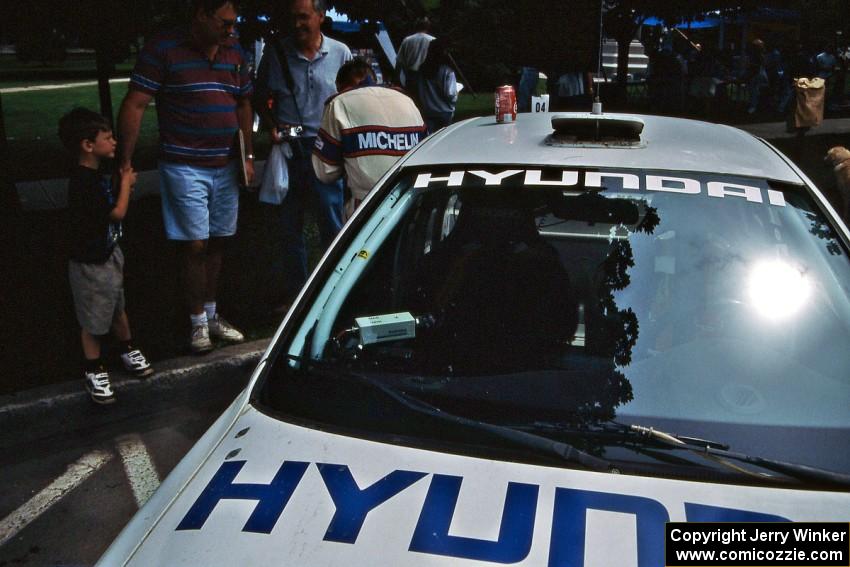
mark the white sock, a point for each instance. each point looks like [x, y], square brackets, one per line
[209, 308]
[199, 320]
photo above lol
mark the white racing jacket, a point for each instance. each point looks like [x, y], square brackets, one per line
[365, 130]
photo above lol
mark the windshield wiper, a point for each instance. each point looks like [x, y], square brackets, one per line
[719, 453]
[610, 428]
[538, 443]
[714, 451]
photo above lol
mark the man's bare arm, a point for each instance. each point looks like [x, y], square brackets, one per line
[129, 122]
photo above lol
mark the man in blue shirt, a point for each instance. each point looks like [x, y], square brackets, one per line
[298, 89]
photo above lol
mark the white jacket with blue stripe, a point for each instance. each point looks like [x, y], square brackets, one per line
[364, 131]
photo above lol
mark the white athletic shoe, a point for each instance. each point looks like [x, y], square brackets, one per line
[99, 387]
[221, 329]
[135, 362]
[200, 340]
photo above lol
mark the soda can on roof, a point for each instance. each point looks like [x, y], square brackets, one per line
[505, 104]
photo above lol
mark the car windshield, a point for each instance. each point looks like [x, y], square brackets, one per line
[554, 300]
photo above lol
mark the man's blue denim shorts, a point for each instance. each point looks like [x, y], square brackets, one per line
[198, 202]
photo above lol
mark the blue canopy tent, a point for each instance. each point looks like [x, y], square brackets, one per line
[760, 22]
[709, 22]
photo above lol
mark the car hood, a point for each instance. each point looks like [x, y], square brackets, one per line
[275, 493]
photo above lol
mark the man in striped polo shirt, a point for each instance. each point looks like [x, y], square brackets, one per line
[202, 86]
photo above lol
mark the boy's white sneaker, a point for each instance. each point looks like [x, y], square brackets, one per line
[99, 387]
[135, 362]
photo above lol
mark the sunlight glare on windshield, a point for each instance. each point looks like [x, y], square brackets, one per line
[778, 290]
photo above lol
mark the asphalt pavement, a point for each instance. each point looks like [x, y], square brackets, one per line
[67, 496]
[74, 473]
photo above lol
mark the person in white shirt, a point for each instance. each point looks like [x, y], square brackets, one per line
[411, 55]
[365, 129]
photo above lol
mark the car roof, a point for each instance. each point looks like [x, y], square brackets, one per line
[672, 144]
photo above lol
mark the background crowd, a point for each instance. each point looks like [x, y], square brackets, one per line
[688, 78]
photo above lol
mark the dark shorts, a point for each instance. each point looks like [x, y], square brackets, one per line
[98, 291]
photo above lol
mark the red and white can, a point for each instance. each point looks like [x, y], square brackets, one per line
[505, 104]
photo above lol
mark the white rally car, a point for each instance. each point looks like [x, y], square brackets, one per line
[536, 343]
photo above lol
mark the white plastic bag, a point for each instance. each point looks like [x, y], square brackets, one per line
[276, 175]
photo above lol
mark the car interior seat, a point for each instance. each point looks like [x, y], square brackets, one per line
[498, 292]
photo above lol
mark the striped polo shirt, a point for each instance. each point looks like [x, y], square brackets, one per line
[196, 98]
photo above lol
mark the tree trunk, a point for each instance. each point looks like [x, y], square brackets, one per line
[9, 204]
[4, 144]
[619, 92]
[104, 70]
[623, 45]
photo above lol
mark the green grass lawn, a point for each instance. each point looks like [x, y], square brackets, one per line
[469, 106]
[76, 65]
[31, 119]
[14, 83]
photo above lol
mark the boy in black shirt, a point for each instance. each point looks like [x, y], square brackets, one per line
[96, 264]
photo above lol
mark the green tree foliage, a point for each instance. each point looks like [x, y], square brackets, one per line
[491, 39]
[823, 19]
[109, 26]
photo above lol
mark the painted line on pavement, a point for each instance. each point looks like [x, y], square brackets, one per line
[74, 476]
[141, 472]
[9, 90]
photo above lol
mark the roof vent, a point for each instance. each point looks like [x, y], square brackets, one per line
[595, 130]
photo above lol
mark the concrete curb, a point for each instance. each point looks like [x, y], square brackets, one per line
[56, 403]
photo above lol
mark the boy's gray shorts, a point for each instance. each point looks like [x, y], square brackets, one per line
[98, 291]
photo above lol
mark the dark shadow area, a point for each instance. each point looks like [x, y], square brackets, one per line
[38, 329]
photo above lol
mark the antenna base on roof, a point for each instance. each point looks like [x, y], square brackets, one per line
[597, 106]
